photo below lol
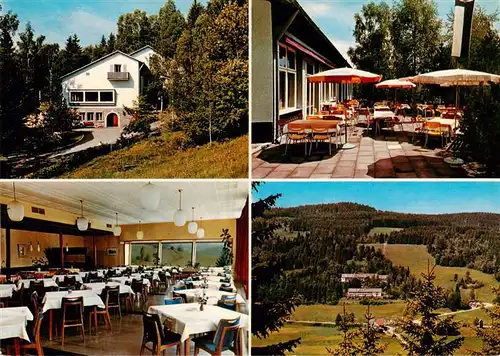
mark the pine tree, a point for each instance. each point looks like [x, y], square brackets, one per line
[347, 346]
[490, 337]
[272, 302]
[370, 338]
[425, 336]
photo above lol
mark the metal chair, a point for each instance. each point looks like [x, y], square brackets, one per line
[296, 133]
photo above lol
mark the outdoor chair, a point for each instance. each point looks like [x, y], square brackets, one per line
[418, 126]
[226, 337]
[296, 134]
[159, 338]
[72, 315]
[227, 302]
[433, 130]
[318, 134]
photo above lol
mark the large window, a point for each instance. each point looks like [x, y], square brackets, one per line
[91, 96]
[82, 97]
[106, 96]
[287, 77]
[144, 254]
[76, 96]
[177, 254]
[207, 253]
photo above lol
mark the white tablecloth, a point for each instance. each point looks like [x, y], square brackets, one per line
[211, 285]
[450, 122]
[60, 278]
[187, 319]
[383, 114]
[213, 295]
[98, 287]
[13, 322]
[122, 280]
[47, 282]
[6, 290]
[214, 278]
[53, 300]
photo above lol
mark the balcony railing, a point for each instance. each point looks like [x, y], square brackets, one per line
[118, 76]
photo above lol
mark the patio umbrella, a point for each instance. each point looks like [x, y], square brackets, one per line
[345, 76]
[456, 78]
[396, 84]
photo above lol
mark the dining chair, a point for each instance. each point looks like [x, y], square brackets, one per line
[138, 289]
[226, 337]
[172, 301]
[162, 283]
[320, 133]
[227, 302]
[72, 315]
[296, 133]
[182, 296]
[39, 287]
[35, 341]
[159, 338]
[418, 126]
[224, 288]
[17, 296]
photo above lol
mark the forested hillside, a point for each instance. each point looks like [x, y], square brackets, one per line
[320, 242]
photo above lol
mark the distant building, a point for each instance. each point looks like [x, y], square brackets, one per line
[100, 90]
[347, 277]
[364, 293]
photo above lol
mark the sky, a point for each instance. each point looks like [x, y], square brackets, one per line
[336, 17]
[89, 19]
[410, 197]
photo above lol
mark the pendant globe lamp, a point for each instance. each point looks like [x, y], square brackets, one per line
[82, 222]
[201, 231]
[38, 246]
[150, 197]
[140, 233]
[31, 246]
[192, 226]
[15, 209]
[179, 215]
[117, 230]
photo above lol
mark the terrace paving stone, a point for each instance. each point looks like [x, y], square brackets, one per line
[391, 156]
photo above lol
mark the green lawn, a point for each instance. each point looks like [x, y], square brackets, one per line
[417, 258]
[320, 312]
[315, 339]
[383, 230]
[158, 157]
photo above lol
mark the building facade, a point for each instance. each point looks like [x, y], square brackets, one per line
[100, 90]
[286, 48]
[347, 277]
[364, 293]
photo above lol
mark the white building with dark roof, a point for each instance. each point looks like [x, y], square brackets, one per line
[100, 90]
[348, 277]
[364, 293]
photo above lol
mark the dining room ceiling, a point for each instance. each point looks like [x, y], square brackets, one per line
[212, 200]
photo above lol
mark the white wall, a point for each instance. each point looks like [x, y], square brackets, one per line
[96, 77]
[144, 55]
[261, 59]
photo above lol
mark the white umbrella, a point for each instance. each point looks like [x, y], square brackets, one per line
[395, 83]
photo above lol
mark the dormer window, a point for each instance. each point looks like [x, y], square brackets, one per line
[118, 68]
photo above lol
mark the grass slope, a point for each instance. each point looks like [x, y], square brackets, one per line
[416, 258]
[383, 230]
[158, 157]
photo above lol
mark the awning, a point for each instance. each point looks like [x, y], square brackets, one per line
[307, 51]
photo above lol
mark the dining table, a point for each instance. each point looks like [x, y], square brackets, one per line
[6, 290]
[99, 286]
[47, 282]
[124, 279]
[213, 295]
[60, 277]
[211, 285]
[13, 321]
[381, 113]
[188, 320]
[53, 301]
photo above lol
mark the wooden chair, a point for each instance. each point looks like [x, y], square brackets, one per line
[138, 289]
[72, 315]
[180, 295]
[225, 288]
[36, 343]
[162, 282]
[318, 134]
[296, 133]
[154, 333]
[17, 295]
[228, 302]
[105, 311]
[39, 287]
[226, 337]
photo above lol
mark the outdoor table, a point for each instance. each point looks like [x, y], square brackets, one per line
[13, 325]
[213, 295]
[60, 277]
[381, 113]
[187, 319]
[122, 280]
[53, 300]
[47, 282]
[448, 122]
[307, 125]
[6, 290]
[98, 287]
